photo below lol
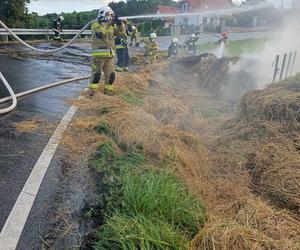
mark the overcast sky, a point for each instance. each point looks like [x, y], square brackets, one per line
[58, 6]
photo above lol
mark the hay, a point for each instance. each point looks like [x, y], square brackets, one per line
[278, 102]
[27, 126]
[275, 173]
[164, 128]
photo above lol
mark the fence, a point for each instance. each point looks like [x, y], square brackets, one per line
[284, 65]
[4, 34]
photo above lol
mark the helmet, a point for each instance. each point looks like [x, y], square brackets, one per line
[174, 40]
[133, 27]
[193, 35]
[153, 36]
[105, 14]
[61, 18]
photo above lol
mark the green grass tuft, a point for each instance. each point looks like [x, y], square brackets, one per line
[104, 110]
[104, 129]
[131, 98]
[163, 196]
[139, 233]
[157, 213]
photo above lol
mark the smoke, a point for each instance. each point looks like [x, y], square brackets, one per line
[284, 41]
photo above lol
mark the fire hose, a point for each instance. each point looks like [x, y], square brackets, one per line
[46, 50]
[14, 96]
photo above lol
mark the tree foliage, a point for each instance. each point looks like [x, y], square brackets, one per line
[15, 12]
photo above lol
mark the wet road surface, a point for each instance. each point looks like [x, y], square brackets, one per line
[20, 151]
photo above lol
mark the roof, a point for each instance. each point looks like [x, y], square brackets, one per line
[167, 9]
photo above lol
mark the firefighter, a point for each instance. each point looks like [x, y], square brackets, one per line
[57, 28]
[151, 48]
[132, 30]
[173, 48]
[225, 37]
[122, 49]
[191, 44]
[104, 30]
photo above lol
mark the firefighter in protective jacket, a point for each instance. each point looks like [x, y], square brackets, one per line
[151, 48]
[104, 30]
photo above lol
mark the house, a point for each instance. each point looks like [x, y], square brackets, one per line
[201, 6]
[161, 10]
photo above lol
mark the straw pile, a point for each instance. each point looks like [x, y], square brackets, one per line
[275, 173]
[227, 78]
[237, 219]
[278, 102]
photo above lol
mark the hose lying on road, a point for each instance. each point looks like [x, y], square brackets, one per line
[46, 50]
[14, 96]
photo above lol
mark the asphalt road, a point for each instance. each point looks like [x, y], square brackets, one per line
[20, 151]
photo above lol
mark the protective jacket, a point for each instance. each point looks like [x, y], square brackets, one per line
[151, 47]
[191, 44]
[173, 50]
[103, 38]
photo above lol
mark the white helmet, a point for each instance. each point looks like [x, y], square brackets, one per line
[174, 40]
[152, 36]
[105, 14]
[61, 18]
[193, 36]
[133, 27]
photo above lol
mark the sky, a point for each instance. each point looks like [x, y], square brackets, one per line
[57, 6]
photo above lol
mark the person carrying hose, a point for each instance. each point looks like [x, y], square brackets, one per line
[191, 44]
[173, 48]
[122, 49]
[57, 28]
[151, 48]
[104, 30]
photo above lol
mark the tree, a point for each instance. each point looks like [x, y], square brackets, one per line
[14, 12]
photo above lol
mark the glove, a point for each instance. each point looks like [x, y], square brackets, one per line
[99, 35]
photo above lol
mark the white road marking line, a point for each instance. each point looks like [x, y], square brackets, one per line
[17, 218]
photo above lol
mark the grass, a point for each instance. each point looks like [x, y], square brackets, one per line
[131, 98]
[145, 209]
[237, 48]
[162, 196]
[140, 233]
[157, 213]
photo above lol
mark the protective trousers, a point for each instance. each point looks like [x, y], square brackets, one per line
[123, 57]
[105, 65]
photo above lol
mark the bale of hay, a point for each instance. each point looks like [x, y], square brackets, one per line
[278, 102]
[275, 173]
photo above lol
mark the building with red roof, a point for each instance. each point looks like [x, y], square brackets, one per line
[162, 9]
[199, 6]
